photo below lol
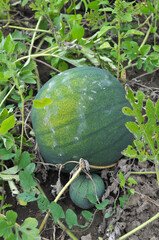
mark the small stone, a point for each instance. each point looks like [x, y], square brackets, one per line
[87, 237]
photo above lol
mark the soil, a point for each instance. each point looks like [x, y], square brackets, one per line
[139, 207]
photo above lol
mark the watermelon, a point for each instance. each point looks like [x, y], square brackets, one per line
[85, 119]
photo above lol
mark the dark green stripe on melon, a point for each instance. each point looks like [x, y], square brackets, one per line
[85, 119]
[82, 186]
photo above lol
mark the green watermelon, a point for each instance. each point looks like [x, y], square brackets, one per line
[85, 119]
[83, 186]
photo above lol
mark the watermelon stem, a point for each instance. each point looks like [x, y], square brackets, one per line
[139, 227]
[81, 166]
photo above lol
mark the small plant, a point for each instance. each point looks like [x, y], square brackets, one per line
[145, 129]
[126, 184]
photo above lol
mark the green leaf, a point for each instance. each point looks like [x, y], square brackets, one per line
[135, 129]
[77, 32]
[104, 29]
[127, 17]
[5, 229]
[56, 211]
[24, 2]
[134, 32]
[128, 111]
[24, 160]
[30, 168]
[123, 200]
[92, 198]
[11, 216]
[71, 218]
[43, 203]
[102, 205]
[9, 45]
[8, 140]
[3, 78]
[94, 5]
[26, 180]
[28, 196]
[130, 152]
[105, 45]
[29, 229]
[7, 124]
[87, 215]
[156, 48]
[62, 66]
[122, 179]
[145, 49]
[6, 154]
[39, 104]
[19, 35]
[131, 180]
[139, 64]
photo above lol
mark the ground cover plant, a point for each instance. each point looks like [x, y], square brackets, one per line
[39, 39]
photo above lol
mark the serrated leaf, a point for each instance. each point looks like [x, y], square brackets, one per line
[145, 49]
[126, 17]
[150, 111]
[56, 211]
[134, 128]
[7, 124]
[130, 152]
[9, 45]
[39, 104]
[29, 229]
[11, 216]
[71, 218]
[142, 156]
[132, 180]
[127, 111]
[157, 109]
[5, 229]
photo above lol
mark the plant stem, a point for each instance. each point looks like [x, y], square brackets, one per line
[40, 54]
[6, 96]
[139, 227]
[30, 29]
[156, 18]
[119, 45]
[143, 172]
[146, 37]
[22, 99]
[57, 198]
[157, 170]
[33, 38]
